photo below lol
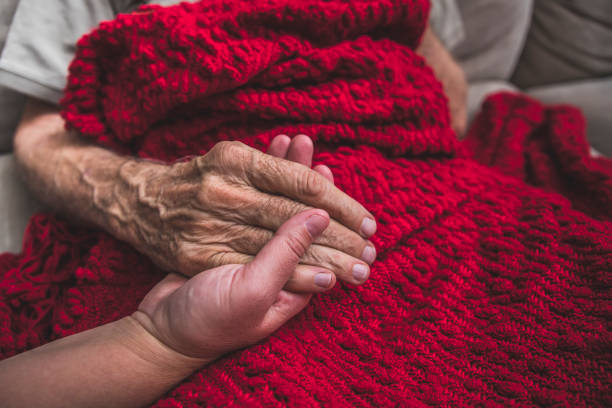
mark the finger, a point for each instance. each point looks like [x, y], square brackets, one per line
[345, 267]
[286, 306]
[279, 146]
[196, 256]
[310, 279]
[273, 175]
[317, 270]
[270, 211]
[325, 172]
[266, 275]
[301, 150]
[242, 242]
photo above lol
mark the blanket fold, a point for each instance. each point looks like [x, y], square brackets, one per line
[493, 281]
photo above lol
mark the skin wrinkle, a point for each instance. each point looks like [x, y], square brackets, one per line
[99, 188]
[225, 195]
[175, 213]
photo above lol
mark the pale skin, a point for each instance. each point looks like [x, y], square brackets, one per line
[450, 75]
[217, 209]
[183, 216]
[180, 326]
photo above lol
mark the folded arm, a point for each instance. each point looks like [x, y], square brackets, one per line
[451, 76]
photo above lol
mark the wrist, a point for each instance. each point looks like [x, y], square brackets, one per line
[137, 335]
[149, 197]
[130, 213]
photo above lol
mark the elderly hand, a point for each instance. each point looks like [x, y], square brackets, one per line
[223, 207]
[232, 306]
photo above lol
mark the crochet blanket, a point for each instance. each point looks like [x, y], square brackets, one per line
[493, 281]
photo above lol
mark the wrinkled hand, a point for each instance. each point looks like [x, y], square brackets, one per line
[232, 306]
[223, 207]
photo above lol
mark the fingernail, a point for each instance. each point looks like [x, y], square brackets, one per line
[315, 224]
[360, 272]
[323, 280]
[369, 254]
[368, 227]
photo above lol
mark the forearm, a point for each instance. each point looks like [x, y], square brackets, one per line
[450, 74]
[215, 209]
[437, 57]
[116, 365]
[78, 179]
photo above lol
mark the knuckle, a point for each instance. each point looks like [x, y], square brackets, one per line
[223, 199]
[217, 191]
[341, 265]
[268, 165]
[249, 239]
[282, 208]
[208, 181]
[320, 258]
[312, 184]
[268, 205]
[193, 259]
[298, 283]
[344, 240]
[297, 243]
[226, 152]
[220, 148]
[220, 258]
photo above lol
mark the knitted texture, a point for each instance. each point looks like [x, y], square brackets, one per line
[492, 284]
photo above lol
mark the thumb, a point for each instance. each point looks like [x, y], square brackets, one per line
[268, 273]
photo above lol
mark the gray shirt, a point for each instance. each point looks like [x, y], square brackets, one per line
[38, 41]
[41, 42]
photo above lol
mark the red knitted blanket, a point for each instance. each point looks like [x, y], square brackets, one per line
[493, 281]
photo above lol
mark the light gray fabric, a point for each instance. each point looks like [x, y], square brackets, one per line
[478, 92]
[11, 103]
[39, 47]
[16, 205]
[568, 40]
[495, 32]
[594, 98]
[445, 20]
[7, 10]
[41, 43]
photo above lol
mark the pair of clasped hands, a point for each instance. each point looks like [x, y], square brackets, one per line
[247, 280]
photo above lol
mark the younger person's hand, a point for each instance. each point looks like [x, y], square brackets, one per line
[232, 306]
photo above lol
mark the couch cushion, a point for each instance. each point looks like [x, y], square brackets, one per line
[568, 40]
[16, 205]
[11, 103]
[494, 35]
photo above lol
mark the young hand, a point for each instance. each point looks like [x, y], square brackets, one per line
[232, 306]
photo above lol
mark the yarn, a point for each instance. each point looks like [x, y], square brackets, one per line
[492, 284]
